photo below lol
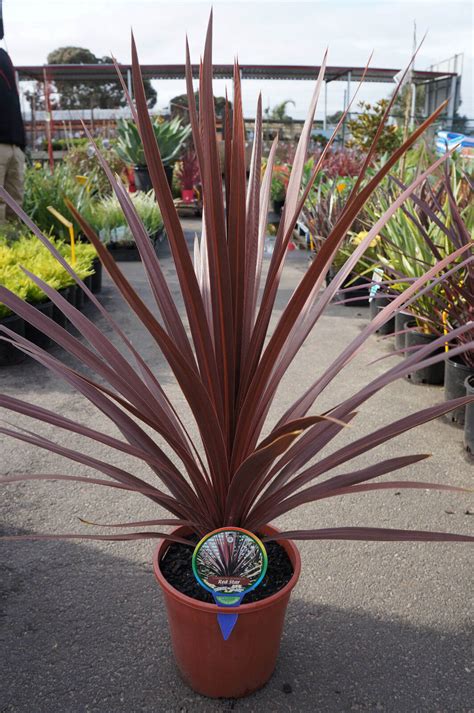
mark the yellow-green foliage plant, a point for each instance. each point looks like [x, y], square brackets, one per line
[27, 253]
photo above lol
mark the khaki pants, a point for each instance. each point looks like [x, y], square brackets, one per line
[12, 169]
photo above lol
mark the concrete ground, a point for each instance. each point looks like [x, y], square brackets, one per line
[370, 627]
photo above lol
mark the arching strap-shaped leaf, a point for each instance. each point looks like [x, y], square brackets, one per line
[361, 445]
[369, 534]
[141, 523]
[101, 538]
[122, 476]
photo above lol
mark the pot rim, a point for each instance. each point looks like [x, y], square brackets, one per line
[11, 317]
[456, 363]
[469, 382]
[289, 546]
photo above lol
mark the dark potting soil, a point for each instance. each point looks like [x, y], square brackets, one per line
[177, 569]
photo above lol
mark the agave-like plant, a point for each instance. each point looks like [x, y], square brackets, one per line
[170, 136]
[227, 369]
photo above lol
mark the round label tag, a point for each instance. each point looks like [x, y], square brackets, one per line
[229, 562]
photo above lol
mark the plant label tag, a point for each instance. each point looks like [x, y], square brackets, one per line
[377, 276]
[229, 563]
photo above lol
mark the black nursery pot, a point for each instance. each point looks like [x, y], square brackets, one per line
[388, 327]
[79, 298]
[58, 316]
[456, 373]
[169, 175]
[378, 301]
[278, 206]
[96, 277]
[469, 417]
[124, 253]
[142, 178]
[71, 296]
[359, 297]
[433, 374]
[34, 334]
[402, 319]
[88, 283]
[9, 355]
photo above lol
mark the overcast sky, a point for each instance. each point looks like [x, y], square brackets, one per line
[265, 32]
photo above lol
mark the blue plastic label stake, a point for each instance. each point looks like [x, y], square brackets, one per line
[229, 563]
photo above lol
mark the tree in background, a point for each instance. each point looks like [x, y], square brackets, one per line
[364, 128]
[179, 106]
[335, 118]
[400, 104]
[87, 94]
[278, 113]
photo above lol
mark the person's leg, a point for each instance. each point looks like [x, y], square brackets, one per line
[6, 153]
[14, 179]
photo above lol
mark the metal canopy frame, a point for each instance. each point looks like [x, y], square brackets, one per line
[107, 72]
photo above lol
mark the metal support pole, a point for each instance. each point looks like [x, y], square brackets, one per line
[129, 83]
[453, 93]
[49, 120]
[344, 122]
[413, 106]
[325, 105]
[349, 75]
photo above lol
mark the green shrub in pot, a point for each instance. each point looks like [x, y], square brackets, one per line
[228, 366]
[25, 252]
[108, 219]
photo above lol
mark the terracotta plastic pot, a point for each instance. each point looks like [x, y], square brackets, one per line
[242, 664]
[187, 195]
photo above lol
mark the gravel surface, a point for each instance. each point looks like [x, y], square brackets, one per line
[370, 626]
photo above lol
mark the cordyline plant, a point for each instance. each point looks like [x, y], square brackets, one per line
[226, 368]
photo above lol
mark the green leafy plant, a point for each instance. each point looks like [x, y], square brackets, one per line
[417, 236]
[170, 137]
[364, 128]
[452, 301]
[279, 185]
[25, 252]
[44, 188]
[81, 161]
[108, 219]
[228, 365]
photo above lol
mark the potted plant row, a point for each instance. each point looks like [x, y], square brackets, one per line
[437, 226]
[24, 254]
[230, 474]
